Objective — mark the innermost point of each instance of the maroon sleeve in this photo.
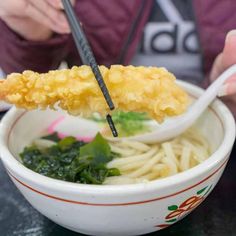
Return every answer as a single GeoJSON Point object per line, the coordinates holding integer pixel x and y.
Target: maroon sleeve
{"type": "Point", "coordinates": [113, 28]}
{"type": "Point", "coordinates": [18, 54]}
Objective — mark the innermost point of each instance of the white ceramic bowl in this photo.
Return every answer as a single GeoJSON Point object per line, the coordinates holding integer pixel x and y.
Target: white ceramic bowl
{"type": "Point", "coordinates": [116, 210]}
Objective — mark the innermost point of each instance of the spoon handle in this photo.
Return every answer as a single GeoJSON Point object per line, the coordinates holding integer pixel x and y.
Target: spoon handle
{"type": "Point", "coordinates": [211, 93]}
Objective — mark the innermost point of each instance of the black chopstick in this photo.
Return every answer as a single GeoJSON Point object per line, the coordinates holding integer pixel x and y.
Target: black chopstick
{"type": "Point", "coordinates": [87, 57]}
{"type": "Point", "coordinates": [111, 125]}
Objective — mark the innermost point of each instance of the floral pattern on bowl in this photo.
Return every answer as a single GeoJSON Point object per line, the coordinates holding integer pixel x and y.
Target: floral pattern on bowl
{"type": "Point", "coordinates": [178, 212]}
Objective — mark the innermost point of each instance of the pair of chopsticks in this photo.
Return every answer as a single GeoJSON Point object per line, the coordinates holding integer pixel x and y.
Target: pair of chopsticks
{"type": "Point", "coordinates": [87, 57]}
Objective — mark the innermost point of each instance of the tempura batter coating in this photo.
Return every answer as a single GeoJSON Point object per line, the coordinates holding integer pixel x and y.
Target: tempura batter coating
{"type": "Point", "coordinates": [141, 89]}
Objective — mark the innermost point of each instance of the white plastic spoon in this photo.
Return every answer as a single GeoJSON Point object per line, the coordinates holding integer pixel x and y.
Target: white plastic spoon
{"type": "Point", "coordinates": [178, 125]}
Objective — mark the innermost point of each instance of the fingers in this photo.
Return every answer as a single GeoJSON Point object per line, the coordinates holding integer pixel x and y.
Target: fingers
{"type": "Point", "coordinates": [44, 13]}
{"type": "Point", "coordinates": [229, 88]}
{"type": "Point", "coordinates": [24, 27]}
{"type": "Point", "coordinates": [229, 55]}
{"type": "Point", "coordinates": [226, 58]}
{"type": "Point", "coordinates": [12, 8]}
{"type": "Point", "coordinates": [58, 3]}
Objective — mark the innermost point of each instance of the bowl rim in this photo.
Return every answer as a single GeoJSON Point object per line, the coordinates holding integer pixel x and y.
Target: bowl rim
{"type": "Point", "coordinates": [213, 161]}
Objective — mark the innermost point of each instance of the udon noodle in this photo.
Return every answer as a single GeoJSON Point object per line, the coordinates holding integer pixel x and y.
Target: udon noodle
{"type": "Point", "coordinates": [139, 162]}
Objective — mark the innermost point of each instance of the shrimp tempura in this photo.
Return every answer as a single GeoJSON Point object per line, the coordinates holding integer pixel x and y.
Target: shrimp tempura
{"type": "Point", "coordinates": [140, 89]}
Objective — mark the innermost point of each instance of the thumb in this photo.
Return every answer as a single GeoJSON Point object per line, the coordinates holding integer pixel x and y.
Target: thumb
{"type": "Point", "coordinates": [229, 52]}
{"type": "Point", "coordinates": [228, 58]}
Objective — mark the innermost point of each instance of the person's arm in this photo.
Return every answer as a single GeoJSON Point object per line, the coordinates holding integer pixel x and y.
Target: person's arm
{"type": "Point", "coordinates": [33, 35]}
